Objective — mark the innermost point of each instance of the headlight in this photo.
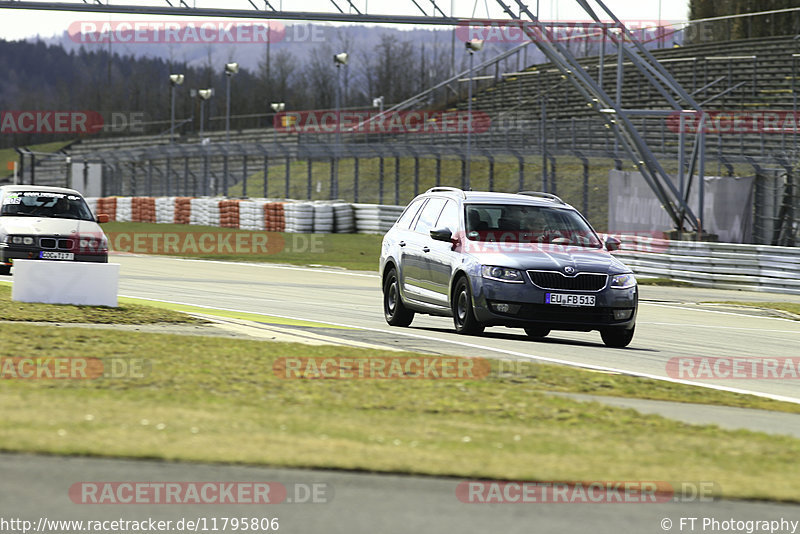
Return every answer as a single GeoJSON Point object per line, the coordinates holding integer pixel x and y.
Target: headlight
{"type": "Point", "coordinates": [19, 240]}
{"type": "Point", "coordinates": [623, 281]}
{"type": "Point", "coordinates": [502, 274]}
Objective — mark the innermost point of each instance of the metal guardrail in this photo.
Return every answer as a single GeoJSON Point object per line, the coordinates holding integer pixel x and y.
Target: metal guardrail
{"type": "Point", "coordinates": [715, 265]}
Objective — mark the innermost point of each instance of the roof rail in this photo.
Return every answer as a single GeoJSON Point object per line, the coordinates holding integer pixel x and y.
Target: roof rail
{"type": "Point", "coordinates": [539, 194]}
{"type": "Point", "coordinates": [443, 189]}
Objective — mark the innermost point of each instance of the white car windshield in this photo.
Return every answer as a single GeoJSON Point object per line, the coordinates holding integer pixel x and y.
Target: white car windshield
{"type": "Point", "coordinates": [45, 204]}
{"type": "Point", "coordinates": [520, 223]}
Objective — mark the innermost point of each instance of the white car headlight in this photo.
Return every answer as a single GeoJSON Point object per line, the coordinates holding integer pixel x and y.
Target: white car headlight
{"type": "Point", "coordinates": [502, 274]}
{"type": "Point", "coordinates": [623, 281]}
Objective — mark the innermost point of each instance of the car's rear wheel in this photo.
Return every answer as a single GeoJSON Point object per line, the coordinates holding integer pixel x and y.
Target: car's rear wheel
{"type": "Point", "coordinates": [463, 313]}
{"type": "Point", "coordinates": [394, 310]}
{"type": "Point", "coordinates": [5, 270]}
{"type": "Point", "coordinates": [617, 337]}
{"type": "Point", "coordinates": [537, 333]}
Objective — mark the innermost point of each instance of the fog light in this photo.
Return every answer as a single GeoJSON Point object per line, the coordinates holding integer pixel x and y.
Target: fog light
{"type": "Point", "coordinates": [505, 307]}
{"type": "Point", "coordinates": [621, 315]}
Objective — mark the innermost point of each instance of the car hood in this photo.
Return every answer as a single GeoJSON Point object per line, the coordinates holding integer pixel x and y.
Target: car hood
{"type": "Point", "coordinates": [545, 257]}
{"type": "Point", "coordinates": [47, 226]}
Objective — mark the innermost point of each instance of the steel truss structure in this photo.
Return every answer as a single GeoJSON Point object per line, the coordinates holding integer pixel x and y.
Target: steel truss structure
{"type": "Point", "coordinates": [612, 110]}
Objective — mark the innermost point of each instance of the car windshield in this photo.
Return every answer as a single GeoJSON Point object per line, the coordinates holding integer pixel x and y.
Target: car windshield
{"type": "Point", "coordinates": [45, 204]}
{"type": "Point", "coordinates": [520, 223]}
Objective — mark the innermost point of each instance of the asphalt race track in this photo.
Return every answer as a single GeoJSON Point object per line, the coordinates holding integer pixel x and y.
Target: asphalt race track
{"type": "Point", "coordinates": [670, 324]}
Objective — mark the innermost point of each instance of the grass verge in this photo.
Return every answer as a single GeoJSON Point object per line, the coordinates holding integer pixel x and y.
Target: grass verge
{"type": "Point", "coordinates": [349, 251]}
{"type": "Point", "coordinates": [126, 313]}
{"type": "Point", "coordinates": [218, 400]}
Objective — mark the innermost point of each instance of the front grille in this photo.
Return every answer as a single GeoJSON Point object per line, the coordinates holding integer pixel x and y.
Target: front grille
{"type": "Point", "coordinates": [566, 314]}
{"type": "Point", "coordinates": [560, 282]}
{"type": "Point", "coordinates": [56, 244]}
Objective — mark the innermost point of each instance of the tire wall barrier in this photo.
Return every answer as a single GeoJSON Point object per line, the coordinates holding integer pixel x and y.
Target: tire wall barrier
{"type": "Point", "coordinates": [716, 265]}
{"type": "Point", "coordinates": [272, 215]}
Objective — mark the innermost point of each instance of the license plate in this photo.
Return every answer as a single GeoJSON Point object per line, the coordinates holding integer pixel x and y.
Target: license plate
{"type": "Point", "coordinates": [65, 256]}
{"type": "Point", "coordinates": [570, 300]}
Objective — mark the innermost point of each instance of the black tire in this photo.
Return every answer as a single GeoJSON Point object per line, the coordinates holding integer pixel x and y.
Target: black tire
{"type": "Point", "coordinates": [537, 333]}
{"type": "Point", "coordinates": [617, 337]}
{"type": "Point", "coordinates": [394, 310]}
{"type": "Point", "coordinates": [463, 314]}
{"type": "Point", "coordinates": [5, 270]}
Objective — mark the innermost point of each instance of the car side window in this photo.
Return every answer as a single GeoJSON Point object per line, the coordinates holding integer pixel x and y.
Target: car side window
{"type": "Point", "coordinates": [449, 217]}
{"type": "Point", "coordinates": [430, 213]}
{"type": "Point", "coordinates": [405, 219]}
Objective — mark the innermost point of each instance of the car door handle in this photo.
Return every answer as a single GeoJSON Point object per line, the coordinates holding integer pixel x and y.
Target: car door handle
{"type": "Point", "coordinates": [426, 249]}
{"type": "Point", "coordinates": [402, 243]}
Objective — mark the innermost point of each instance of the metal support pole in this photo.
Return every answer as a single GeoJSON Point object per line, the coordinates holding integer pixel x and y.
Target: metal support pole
{"type": "Point", "coordinates": [355, 178]}
{"type": "Point", "coordinates": [544, 143]}
{"type": "Point", "coordinates": [172, 114]}
{"type": "Point", "coordinates": [227, 113]}
{"type": "Point", "coordinates": [225, 175]}
{"type": "Point", "coordinates": [467, 180]}
{"type": "Point", "coordinates": [682, 155]}
{"type": "Point", "coordinates": [244, 176]}
{"type": "Point", "coordinates": [168, 178]}
{"type": "Point", "coordinates": [288, 176]}
{"type": "Point", "coordinates": [266, 177]}
{"type": "Point", "coordinates": [701, 184]}
{"type": "Point", "coordinates": [206, 178]}
{"type": "Point", "coordinates": [149, 177]}
{"type": "Point", "coordinates": [309, 179]}
{"type": "Point", "coordinates": [397, 180]}
{"type": "Point", "coordinates": [380, 180]}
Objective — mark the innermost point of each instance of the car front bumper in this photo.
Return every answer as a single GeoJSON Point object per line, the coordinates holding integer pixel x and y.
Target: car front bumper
{"type": "Point", "coordinates": [524, 305]}
{"type": "Point", "coordinates": [10, 253]}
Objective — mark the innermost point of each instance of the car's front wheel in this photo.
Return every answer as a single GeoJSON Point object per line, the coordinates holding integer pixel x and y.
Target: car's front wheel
{"type": "Point", "coordinates": [394, 310]}
{"type": "Point", "coordinates": [463, 314]}
{"type": "Point", "coordinates": [617, 337]}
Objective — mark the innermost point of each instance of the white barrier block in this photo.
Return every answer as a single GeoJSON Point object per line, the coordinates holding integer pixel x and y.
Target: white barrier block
{"type": "Point", "coordinates": [62, 282]}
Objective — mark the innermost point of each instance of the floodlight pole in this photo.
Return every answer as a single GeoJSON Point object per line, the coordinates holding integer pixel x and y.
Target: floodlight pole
{"type": "Point", "coordinates": [228, 109]}
{"type": "Point", "coordinates": [467, 181]}
{"type": "Point", "coordinates": [172, 114]}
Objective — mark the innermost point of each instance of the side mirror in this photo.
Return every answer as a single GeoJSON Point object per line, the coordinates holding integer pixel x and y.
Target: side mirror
{"type": "Point", "coordinates": [102, 218]}
{"type": "Point", "coordinates": [442, 234]}
{"type": "Point", "coordinates": [612, 244]}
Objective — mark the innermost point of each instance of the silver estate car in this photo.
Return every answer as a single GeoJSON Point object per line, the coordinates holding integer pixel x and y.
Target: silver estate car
{"type": "Point", "coordinates": [526, 260]}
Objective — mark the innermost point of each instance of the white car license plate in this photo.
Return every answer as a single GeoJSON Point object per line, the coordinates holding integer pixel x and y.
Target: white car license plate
{"type": "Point", "coordinates": [49, 255]}
{"type": "Point", "coordinates": [570, 300]}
